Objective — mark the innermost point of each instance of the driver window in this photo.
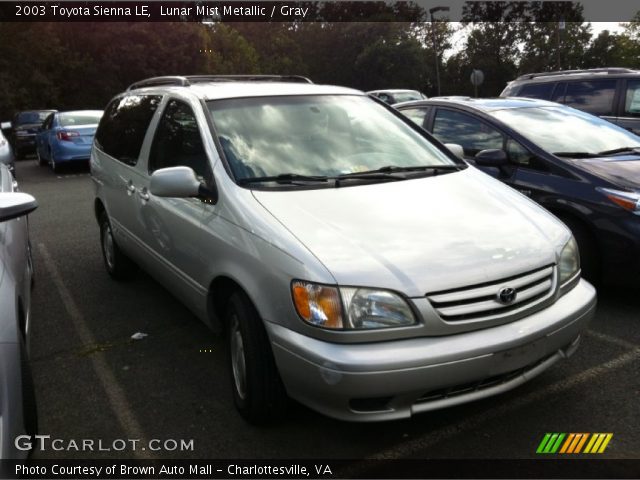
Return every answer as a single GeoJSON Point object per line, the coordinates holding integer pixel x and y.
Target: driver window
{"type": "Point", "coordinates": [471, 133]}
{"type": "Point", "coordinates": [177, 141]}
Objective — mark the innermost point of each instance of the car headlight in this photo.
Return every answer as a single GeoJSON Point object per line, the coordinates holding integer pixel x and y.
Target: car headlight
{"type": "Point", "coordinates": [630, 201]}
{"type": "Point", "coordinates": [350, 308]}
{"type": "Point", "coordinates": [569, 263]}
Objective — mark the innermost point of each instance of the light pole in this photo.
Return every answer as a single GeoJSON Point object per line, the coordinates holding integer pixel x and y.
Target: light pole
{"type": "Point", "coordinates": [435, 43]}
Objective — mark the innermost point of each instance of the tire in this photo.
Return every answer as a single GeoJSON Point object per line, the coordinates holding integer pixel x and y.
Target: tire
{"type": "Point", "coordinates": [29, 404]}
{"type": "Point", "coordinates": [258, 392]}
{"type": "Point", "coordinates": [42, 162]}
{"type": "Point", "coordinates": [590, 261]}
{"type": "Point", "coordinates": [118, 265]}
{"type": "Point", "coordinates": [54, 166]}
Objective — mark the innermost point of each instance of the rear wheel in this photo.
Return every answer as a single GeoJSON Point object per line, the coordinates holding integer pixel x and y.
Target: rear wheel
{"type": "Point", "coordinates": [118, 265]}
{"type": "Point", "coordinates": [258, 392]}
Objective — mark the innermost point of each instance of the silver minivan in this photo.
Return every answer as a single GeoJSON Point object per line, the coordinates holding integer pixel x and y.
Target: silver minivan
{"type": "Point", "coordinates": [353, 262]}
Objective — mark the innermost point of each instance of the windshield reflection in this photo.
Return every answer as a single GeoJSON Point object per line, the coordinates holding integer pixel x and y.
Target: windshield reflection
{"type": "Point", "coordinates": [562, 129]}
{"type": "Point", "coordinates": [318, 135]}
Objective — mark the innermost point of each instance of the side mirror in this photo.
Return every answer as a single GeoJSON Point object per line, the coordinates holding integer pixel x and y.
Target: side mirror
{"type": "Point", "coordinates": [179, 182]}
{"type": "Point", "coordinates": [492, 158]}
{"type": "Point", "coordinates": [15, 204]}
{"type": "Point", "coordinates": [456, 149]}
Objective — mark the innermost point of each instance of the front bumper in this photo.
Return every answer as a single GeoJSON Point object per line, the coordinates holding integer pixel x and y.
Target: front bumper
{"type": "Point", "coordinates": [395, 379]}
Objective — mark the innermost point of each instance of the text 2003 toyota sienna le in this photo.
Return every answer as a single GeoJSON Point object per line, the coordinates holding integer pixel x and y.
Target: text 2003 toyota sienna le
{"type": "Point", "coordinates": [353, 262]}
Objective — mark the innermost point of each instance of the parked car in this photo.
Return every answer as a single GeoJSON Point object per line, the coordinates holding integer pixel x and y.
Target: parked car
{"type": "Point", "coordinates": [583, 169]}
{"type": "Point", "coordinates": [25, 126]}
{"type": "Point", "coordinates": [370, 277]}
{"type": "Point", "coordinates": [66, 137]}
{"type": "Point", "coordinates": [610, 93]}
{"type": "Point", "coordinates": [18, 414]}
{"type": "Point", "coordinates": [394, 96]}
{"type": "Point", "coordinates": [6, 155]}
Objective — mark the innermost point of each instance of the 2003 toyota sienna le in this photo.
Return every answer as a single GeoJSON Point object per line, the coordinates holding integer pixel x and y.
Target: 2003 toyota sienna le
{"type": "Point", "coordinates": [354, 263]}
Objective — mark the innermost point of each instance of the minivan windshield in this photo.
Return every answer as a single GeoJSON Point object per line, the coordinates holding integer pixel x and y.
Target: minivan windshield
{"type": "Point", "coordinates": [319, 137]}
{"type": "Point", "coordinates": [564, 130]}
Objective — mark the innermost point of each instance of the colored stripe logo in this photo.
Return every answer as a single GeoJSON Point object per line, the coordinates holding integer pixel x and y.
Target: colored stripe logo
{"type": "Point", "coordinates": [573, 443]}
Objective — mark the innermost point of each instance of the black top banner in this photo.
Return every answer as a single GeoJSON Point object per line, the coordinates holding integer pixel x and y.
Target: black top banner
{"type": "Point", "coordinates": [317, 11]}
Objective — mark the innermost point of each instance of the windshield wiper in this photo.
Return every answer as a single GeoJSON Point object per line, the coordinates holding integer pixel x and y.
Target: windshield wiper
{"type": "Point", "coordinates": [283, 178]}
{"type": "Point", "coordinates": [576, 154]}
{"type": "Point", "coordinates": [396, 169]}
{"type": "Point", "coordinates": [620, 150]}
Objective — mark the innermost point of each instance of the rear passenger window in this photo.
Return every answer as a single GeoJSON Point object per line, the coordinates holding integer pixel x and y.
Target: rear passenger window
{"type": "Point", "coordinates": [177, 141]}
{"type": "Point", "coordinates": [537, 90]}
{"type": "Point", "coordinates": [632, 100]}
{"type": "Point", "coordinates": [471, 133]}
{"type": "Point", "coordinates": [594, 96]}
{"type": "Point", "coordinates": [124, 126]}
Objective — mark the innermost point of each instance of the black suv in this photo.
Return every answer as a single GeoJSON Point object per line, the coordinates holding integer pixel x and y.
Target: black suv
{"type": "Point", "coordinates": [610, 93]}
{"type": "Point", "coordinates": [25, 126]}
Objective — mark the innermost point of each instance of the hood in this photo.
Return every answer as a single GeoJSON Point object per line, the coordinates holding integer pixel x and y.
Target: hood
{"type": "Point", "coordinates": [422, 235]}
{"type": "Point", "coordinates": [621, 170]}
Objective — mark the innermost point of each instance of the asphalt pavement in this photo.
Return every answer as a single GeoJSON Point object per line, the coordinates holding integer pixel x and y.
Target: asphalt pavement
{"type": "Point", "coordinates": [171, 388]}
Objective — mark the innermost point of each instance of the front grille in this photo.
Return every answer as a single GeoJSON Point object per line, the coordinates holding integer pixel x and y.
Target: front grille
{"type": "Point", "coordinates": [481, 301]}
{"type": "Point", "coordinates": [456, 390]}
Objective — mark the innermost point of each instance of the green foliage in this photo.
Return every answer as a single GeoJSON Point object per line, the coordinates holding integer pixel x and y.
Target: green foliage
{"type": "Point", "coordinates": [82, 65]}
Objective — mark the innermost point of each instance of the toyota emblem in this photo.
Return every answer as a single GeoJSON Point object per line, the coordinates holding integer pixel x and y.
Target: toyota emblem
{"type": "Point", "coordinates": [507, 295]}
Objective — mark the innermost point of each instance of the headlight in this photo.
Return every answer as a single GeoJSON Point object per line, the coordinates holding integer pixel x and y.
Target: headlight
{"type": "Point", "coordinates": [569, 261]}
{"type": "Point", "coordinates": [350, 308]}
{"type": "Point", "coordinates": [630, 201]}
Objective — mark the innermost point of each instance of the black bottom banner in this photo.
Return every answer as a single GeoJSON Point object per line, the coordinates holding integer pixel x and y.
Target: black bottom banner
{"type": "Point", "coordinates": [316, 469]}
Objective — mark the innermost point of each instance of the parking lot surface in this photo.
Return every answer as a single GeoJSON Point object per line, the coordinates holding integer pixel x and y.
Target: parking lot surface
{"type": "Point", "coordinates": [94, 382]}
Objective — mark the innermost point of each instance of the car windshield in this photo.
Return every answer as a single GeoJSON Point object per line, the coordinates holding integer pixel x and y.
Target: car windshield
{"type": "Point", "coordinates": [69, 119]}
{"type": "Point", "coordinates": [317, 135]}
{"type": "Point", "coordinates": [32, 117]}
{"type": "Point", "coordinates": [400, 97]}
{"type": "Point", "coordinates": [566, 130]}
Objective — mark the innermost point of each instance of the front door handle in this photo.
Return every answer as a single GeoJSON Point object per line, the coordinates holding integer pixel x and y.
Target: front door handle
{"type": "Point", "coordinates": [131, 188]}
{"type": "Point", "coordinates": [143, 194]}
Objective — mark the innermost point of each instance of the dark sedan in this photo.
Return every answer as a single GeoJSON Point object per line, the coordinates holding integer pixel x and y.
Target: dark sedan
{"type": "Point", "coordinates": [25, 127]}
{"type": "Point", "coordinates": [583, 169]}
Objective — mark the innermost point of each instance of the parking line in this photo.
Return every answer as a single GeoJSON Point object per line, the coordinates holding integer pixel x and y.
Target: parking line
{"type": "Point", "coordinates": [119, 405]}
{"type": "Point", "coordinates": [421, 444]}
{"type": "Point", "coordinates": [611, 339]}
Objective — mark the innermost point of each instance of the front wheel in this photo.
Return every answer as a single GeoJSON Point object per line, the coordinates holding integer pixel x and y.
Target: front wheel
{"type": "Point", "coordinates": [118, 265]}
{"type": "Point", "coordinates": [258, 392]}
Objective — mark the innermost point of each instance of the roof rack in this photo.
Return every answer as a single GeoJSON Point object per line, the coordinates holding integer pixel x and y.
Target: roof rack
{"type": "Point", "coordinates": [608, 70]}
{"type": "Point", "coordinates": [189, 80]}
